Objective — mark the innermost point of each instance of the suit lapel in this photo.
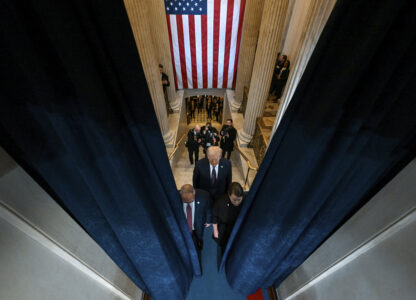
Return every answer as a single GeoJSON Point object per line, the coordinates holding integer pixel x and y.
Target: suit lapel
{"type": "Point", "coordinates": [220, 170]}
{"type": "Point", "coordinates": [208, 171]}
{"type": "Point", "coordinates": [197, 204]}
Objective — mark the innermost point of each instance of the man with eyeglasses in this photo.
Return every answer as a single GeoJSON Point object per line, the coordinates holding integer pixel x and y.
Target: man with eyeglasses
{"type": "Point", "coordinates": [225, 213]}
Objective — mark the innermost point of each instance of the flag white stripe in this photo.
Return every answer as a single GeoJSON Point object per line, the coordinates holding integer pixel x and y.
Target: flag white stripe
{"type": "Point", "coordinates": [210, 37]}
{"type": "Point", "coordinates": [209, 46]}
{"type": "Point", "coordinates": [187, 45]}
{"type": "Point", "coordinates": [175, 46]}
{"type": "Point", "coordinates": [233, 46]}
{"type": "Point", "coordinates": [221, 48]}
{"type": "Point", "coordinates": [198, 46]}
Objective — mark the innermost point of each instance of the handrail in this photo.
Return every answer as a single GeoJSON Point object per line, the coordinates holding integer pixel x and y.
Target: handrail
{"type": "Point", "coordinates": [250, 166]}
{"type": "Point", "coordinates": [245, 158]}
{"type": "Point", "coordinates": [176, 147]}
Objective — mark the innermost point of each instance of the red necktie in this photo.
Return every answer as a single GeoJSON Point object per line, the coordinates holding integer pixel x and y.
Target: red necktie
{"type": "Point", "coordinates": [189, 216]}
{"type": "Point", "coordinates": [213, 176]}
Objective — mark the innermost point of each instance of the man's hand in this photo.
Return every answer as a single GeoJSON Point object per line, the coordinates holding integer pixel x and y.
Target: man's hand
{"type": "Point", "coordinates": [207, 225]}
{"type": "Point", "coordinates": [215, 230]}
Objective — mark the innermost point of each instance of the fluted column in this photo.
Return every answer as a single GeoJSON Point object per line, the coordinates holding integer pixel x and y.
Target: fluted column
{"type": "Point", "coordinates": [138, 14]}
{"type": "Point", "coordinates": [160, 36]}
{"type": "Point", "coordinates": [271, 29]}
{"type": "Point", "coordinates": [318, 14]}
{"type": "Point", "coordinates": [251, 27]}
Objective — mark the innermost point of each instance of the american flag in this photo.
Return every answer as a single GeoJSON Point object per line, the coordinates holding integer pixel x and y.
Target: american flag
{"type": "Point", "coordinates": [204, 41]}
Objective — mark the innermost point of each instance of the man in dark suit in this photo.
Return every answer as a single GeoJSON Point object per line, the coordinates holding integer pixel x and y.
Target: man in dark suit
{"type": "Point", "coordinates": [282, 79]}
{"type": "Point", "coordinates": [194, 102]}
{"type": "Point", "coordinates": [193, 142]}
{"type": "Point", "coordinates": [165, 83]}
{"type": "Point", "coordinates": [209, 107]}
{"type": "Point", "coordinates": [197, 209]}
{"type": "Point", "coordinates": [213, 173]}
{"type": "Point", "coordinates": [200, 104]}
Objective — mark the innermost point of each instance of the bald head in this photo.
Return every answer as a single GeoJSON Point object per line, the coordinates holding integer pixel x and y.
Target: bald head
{"type": "Point", "coordinates": [197, 128]}
{"type": "Point", "coordinates": [214, 155]}
{"type": "Point", "coordinates": [187, 192]}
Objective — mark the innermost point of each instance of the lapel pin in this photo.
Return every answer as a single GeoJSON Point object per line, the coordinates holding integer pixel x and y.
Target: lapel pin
{"type": "Point", "coordinates": [221, 166]}
{"type": "Point", "coordinates": [228, 204]}
{"type": "Point", "coordinates": [197, 202]}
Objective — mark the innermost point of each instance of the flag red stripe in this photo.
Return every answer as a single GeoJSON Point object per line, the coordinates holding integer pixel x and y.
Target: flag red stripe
{"type": "Point", "coordinates": [228, 31]}
{"type": "Point", "coordinates": [179, 26]}
{"type": "Point", "coordinates": [240, 27]}
{"type": "Point", "coordinates": [204, 51]}
{"type": "Point", "coordinates": [193, 50]}
{"type": "Point", "coordinates": [171, 50]}
{"type": "Point", "coordinates": [217, 15]}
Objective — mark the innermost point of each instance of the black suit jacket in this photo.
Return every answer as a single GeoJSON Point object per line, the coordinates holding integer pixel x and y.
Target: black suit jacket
{"type": "Point", "coordinates": [192, 142]}
{"type": "Point", "coordinates": [202, 212]}
{"type": "Point", "coordinates": [202, 177]}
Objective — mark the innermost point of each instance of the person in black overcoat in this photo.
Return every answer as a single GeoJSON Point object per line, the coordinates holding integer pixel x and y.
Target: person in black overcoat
{"type": "Point", "coordinates": [228, 135]}
{"type": "Point", "coordinates": [225, 212]}
{"type": "Point", "coordinates": [209, 136]}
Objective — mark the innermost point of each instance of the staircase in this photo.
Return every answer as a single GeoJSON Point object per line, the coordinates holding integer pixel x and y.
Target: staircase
{"type": "Point", "coordinates": [183, 170]}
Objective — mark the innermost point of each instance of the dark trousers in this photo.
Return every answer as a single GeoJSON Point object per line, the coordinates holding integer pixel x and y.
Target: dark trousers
{"type": "Point", "coordinates": [226, 153]}
{"type": "Point", "coordinates": [217, 115]}
{"type": "Point", "coordinates": [191, 152]}
{"type": "Point", "coordinates": [209, 114]}
{"type": "Point", "coordinates": [198, 247]}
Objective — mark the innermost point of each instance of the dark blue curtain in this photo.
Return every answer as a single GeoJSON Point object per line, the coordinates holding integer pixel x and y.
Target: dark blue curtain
{"type": "Point", "coordinates": [350, 126]}
{"type": "Point", "coordinates": [76, 113]}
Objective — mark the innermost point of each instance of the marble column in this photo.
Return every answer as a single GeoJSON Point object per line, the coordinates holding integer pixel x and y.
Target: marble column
{"type": "Point", "coordinates": [248, 45]}
{"type": "Point", "coordinates": [271, 29]}
{"type": "Point", "coordinates": [160, 37]}
{"type": "Point", "coordinates": [138, 13]}
{"type": "Point", "coordinates": [318, 13]}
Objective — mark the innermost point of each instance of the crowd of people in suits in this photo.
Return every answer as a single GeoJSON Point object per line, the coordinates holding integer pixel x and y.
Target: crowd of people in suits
{"type": "Point", "coordinates": [207, 136]}
{"type": "Point", "coordinates": [212, 199]}
{"type": "Point", "coordinates": [213, 105]}
{"type": "Point", "coordinates": [280, 76]}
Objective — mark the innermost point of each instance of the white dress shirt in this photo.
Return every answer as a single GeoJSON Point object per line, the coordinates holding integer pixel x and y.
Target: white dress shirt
{"type": "Point", "coordinates": [192, 204]}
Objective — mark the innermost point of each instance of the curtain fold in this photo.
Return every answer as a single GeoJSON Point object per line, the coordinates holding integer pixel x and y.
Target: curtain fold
{"type": "Point", "coordinates": [349, 128]}
{"type": "Point", "coordinates": [75, 111]}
